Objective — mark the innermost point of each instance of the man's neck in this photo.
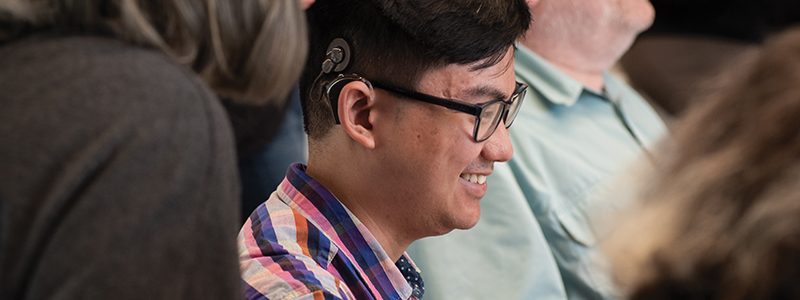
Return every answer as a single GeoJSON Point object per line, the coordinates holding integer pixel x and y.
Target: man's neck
{"type": "Point", "coordinates": [376, 219]}
{"type": "Point", "coordinates": [591, 79]}
{"type": "Point", "coordinates": [581, 60]}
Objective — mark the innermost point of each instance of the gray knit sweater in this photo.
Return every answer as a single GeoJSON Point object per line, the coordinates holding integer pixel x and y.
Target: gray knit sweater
{"type": "Point", "coordinates": [117, 175]}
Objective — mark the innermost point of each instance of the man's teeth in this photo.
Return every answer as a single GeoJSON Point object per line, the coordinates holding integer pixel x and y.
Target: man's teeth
{"type": "Point", "coordinates": [474, 178]}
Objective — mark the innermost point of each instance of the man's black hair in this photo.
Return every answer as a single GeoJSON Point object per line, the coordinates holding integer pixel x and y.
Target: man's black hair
{"type": "Point", "coordinates": [398, 41]}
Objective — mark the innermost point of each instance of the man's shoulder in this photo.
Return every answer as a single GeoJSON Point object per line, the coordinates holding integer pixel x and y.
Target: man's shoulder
{"type": "Point", "coordinates": [284, 255]}
{"type": "Point", "coordinates": [290, 276]}
{"type": "Point", "coordinates": [281, 229]}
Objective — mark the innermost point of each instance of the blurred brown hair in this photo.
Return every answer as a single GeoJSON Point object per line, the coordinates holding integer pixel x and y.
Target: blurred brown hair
{"type": "Point", "coordinates": [251, 51]}
{"type": "Point", "coordinates": [720, 217]}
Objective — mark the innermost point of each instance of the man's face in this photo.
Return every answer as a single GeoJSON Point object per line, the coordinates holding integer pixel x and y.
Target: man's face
{"type": "Point", "coordinates": [587, 18]}
{"type": "Point", "coordinates": [633, 15]}
{"type": "Point", "coordinates": [435, 168]}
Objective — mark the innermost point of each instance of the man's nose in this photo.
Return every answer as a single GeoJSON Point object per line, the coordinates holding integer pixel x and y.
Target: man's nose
{"type": "Point", "coordinates": [498, 146]}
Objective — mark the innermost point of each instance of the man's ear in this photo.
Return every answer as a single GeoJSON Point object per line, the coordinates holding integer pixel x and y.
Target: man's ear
{"type": "Point", "coordinates": [356, 103]}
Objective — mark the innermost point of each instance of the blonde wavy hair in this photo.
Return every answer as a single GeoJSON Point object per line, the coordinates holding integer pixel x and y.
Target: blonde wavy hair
{"type": "Point", "coordinates": [720, 215]}
{"type": "Point", "coordinates": [250, 51]}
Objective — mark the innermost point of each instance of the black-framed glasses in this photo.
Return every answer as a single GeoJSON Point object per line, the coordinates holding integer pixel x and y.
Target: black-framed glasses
{"type": "Point", "coordinates": [487, 114]}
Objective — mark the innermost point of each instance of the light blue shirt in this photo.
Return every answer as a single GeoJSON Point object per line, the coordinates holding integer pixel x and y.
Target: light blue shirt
{"type": "Point", "coordinates": [534, 239]}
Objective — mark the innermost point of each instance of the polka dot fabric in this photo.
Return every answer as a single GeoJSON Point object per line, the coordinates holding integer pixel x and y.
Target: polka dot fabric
{"type": "Point", "coordinates": [412, 276]}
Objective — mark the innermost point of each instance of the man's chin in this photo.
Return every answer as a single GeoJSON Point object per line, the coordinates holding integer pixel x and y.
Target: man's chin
{"type": "Point", "coordinates": [447, 223]}
{"type": "Point", "coordinates": [468, 222]}
{"type": "Point", "coordinates": [464, 225]}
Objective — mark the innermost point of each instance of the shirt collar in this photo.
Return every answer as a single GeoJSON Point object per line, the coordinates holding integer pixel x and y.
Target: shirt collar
{"type": "Point", "coordinates": [352, 238]}
{"type": "Point", "coordinates": [614, 89]}
{"type": "Point", "coordinates": [545, 78]}
{"type": "Point", "coordinates": [553, 84]}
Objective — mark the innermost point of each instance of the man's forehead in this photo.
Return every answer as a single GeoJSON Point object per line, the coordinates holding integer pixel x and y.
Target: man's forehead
{"type": "Point", "coordinates": [487, 92]}
{"type": "Point", "coordinates": [495, 82]}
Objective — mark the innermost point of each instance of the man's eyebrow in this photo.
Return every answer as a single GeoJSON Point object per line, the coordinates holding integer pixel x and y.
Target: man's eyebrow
{"type": "Point", "coordinates": [485, 91]}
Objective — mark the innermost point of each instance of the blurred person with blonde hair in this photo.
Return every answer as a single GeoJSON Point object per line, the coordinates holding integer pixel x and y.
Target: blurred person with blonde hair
{"type": "Point", "coordinates": [719, 217]}
{"type": "Point", "coordinates": [117, 170]}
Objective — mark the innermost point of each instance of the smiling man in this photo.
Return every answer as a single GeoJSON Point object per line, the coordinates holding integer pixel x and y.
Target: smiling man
{"type": "Point", "coordinates": [406, 105]}
{"type": "Point", "coordinates": [578, 128]}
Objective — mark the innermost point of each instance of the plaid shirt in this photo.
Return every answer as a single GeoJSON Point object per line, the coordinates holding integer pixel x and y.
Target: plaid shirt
{"type": "Point", "coordinates": [302, 241]}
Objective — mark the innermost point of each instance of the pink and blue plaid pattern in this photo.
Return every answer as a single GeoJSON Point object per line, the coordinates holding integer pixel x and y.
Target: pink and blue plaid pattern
{"type": "Point", "coordinates": [303, 241]}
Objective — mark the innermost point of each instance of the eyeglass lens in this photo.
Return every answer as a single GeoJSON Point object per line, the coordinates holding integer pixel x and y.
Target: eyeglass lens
{"type": "Point", "coordinates": [489, 119]}
{"type": "Point", "coordinates": [516, 102]}
{"type": "Point", "coordinates": [492, 114]}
